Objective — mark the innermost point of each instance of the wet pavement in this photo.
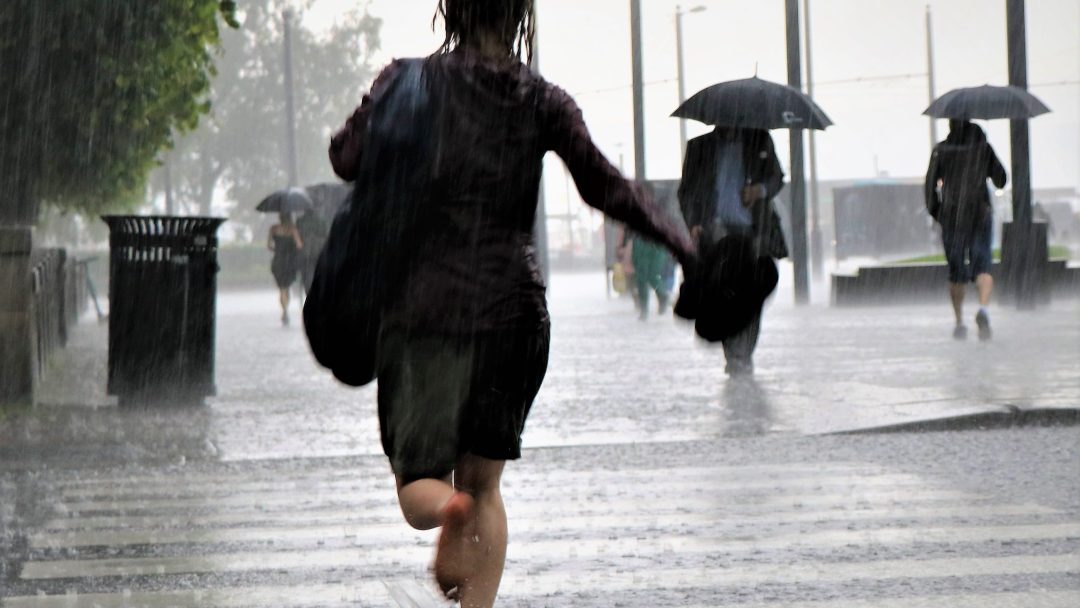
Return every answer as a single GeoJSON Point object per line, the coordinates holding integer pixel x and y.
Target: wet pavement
{"type": "Point", "coordinates": [647, 476]}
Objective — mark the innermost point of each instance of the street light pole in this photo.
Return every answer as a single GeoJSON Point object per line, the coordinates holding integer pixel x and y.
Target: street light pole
{"type": "Point", "coordinates": [798, 180]}
{"type": "Point", "coordinates": [540, 232]}
{"type": "Point", "coordinates": [1023, 243]}
{"type": "Point", "coordinates": [639, 90]}
{"type": "Point", "coordinates": [682, 69]}
{"type": "Point", "coordinates": [290, 109]}
{"type": "Point", "coordinates": [817, 247]}
{"type": "Point", "coordinates": [930, 74]}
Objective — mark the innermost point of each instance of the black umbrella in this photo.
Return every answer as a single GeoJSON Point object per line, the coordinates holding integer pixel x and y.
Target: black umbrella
{"type": "Point", "coordinates": [986, 102]}
{"type": "Point", "coordinates": [753, 103]}
{"type": "Point", "coordinates": [289, 200]}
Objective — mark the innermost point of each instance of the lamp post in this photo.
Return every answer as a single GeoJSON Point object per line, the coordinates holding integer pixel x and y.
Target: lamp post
{"type": "Point", "coordinates": [682, 69]}
{"type": "Point", "coordinates": [638, 90]}
{"type": "Point", "coordinates": [540, 233]}
{"type": "Point", "coordinates": [817, 247]}
{"type": "Point", "coordinates": [287, 17]}
{"type": "Point", "coordinates": [930, 74]}
{"type": "Point", "coordinates": [798, 180]}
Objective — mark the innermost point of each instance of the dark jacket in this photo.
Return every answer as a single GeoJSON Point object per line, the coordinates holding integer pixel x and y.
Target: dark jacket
{"type": "Point", "coordinates": [698, 185]}
{"type": "Point", "coordinates": [962, 163]}
{"type": "Point", "coordinates": [474, 267]}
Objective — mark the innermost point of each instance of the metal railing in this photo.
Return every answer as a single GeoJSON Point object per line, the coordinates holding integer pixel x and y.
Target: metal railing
{"type": "Point", "coordinates": [59, 296]}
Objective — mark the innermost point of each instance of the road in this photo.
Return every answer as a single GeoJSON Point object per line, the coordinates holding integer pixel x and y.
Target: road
{"type": "Point", "coordinates": [647, 480]}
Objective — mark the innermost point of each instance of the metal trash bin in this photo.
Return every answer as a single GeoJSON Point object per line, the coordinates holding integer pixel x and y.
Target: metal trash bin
{"type": "Point", "coordinates": [162, 308]}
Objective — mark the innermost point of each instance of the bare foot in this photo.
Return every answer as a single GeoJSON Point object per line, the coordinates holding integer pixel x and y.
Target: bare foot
{"type": "Point", "coordinates": [451, 555]}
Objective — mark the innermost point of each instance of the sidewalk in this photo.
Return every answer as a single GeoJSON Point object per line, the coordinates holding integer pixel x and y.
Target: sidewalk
{"type": "Point", "coordinates": [611, 379]}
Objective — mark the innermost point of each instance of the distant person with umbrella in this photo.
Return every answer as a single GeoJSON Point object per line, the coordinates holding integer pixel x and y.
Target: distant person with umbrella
{"type": "Point", "coordinates": [956, 194]}
{"type": "Point", "coordinates": [729, 179]}
{"type": "Point", "coordinates": [957, 198]}
{"type": "Point", "coordinates": [285, 240]}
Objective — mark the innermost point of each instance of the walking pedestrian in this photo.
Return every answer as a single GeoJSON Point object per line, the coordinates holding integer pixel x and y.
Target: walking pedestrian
{"type": "Point", "coordinates": [464, 342]}
{"type": "Point", "coordinates": [649, 261]}
{"type": "Point", "coordinates": [285, 241]}
{"type": "Point", "coordinates": [958, 199]}
{"type": "Point", "coordinates": [313, 230]}
{"type": "Point", "coordinates": [729, 179]}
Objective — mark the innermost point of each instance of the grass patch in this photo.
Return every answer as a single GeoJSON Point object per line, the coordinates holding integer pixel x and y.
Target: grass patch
{"type": "Point", "coordinates": [1057, 252]}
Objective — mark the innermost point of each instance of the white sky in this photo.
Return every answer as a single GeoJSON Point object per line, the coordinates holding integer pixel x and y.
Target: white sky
{"type": "Point", "coordinates": [585, 48]}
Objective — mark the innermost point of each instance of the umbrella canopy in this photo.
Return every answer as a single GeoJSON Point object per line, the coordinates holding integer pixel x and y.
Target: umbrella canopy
{"type": "Point", "coordinates": [753, 103]}
{"type": "Point", "coordinates": [986, 102]}
{"type": "Point", "coordinates": [289, 200]}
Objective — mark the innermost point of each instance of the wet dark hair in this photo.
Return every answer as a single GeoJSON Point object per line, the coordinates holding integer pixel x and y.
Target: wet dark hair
{"type": "Point", "coordinates": [511, 19]}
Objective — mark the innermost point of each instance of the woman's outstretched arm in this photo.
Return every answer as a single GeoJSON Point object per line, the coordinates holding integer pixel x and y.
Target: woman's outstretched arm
{"type": "Point", "coordinates": [600, 184]}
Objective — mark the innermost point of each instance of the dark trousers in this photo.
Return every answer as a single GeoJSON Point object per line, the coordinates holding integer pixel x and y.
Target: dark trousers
{"type": "Point", "coordinates": [739, 348]}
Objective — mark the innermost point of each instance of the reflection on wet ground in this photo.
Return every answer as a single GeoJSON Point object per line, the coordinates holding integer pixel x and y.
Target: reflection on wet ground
{"type": "Point", "coordinates": [612, 379]}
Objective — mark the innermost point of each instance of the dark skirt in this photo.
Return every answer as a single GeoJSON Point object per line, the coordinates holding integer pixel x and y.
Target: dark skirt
{"type": "Point", "coordinates": [285, 267]}
{"type": "Point", "coordinates": [444, 396]}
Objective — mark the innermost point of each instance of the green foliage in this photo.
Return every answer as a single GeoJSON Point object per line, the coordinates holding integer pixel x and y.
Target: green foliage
{"type": "Point", "coordinates": [94, 90]}
{"type": "Point", "coordinates": [239, 149]}
{"type": "Point", "coordinates": [1055, 252]}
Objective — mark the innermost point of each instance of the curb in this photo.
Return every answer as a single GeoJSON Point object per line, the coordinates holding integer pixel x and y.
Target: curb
{"type": "Point", "coordinates": [1010, 416]}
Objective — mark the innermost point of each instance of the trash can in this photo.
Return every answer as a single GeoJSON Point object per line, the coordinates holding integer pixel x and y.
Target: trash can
{"type": "Point", "coordinates": [162, 299]}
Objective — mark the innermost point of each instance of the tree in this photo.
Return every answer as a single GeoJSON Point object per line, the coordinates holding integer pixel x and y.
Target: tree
{"type": "Point", "coordinates": [239, 150]}
{"type": "Point", "coordinates": [93, 91]}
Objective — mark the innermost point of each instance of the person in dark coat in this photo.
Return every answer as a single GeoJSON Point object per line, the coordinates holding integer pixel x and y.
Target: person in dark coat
{"type": "Point", "coordinates": [464, 342]}
{"type": "Point", "coordinates": [313, 230]}
{"type": "Point", "coordinates": [958, 199]}
{"type": "Point", "coordinates": [729, 179]}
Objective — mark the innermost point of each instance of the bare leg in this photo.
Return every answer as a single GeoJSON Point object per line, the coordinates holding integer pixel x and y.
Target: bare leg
{"type": "Point", "coordinates": [984, 284]}
{"type": "Point", "coordinates": [283, 297]}
{"type": "Point", "coordinates": [422, 501]}
{"type": "Point", "coordinates": [956, 292]}
{"type": "Point", "coordinates": [472, 548]}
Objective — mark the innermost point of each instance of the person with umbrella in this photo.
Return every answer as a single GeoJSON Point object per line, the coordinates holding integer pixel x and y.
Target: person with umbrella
{"type": "Point", "coordinates": [956, 193]}
{"type": "Point", "coordinates": [729, 179]}
{"type": "Point", "coordinates": [285, 241]}
{"type": "Point", "coordinates": [958, 200]}
{"type": "Point", "coordinates": [731, 175]}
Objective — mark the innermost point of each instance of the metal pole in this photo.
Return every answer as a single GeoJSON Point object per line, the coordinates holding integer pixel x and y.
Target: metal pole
{"type": "Point", "coordinates": [798, 182]}
{"type": "Point", "coordinates": [290, 110]}
{"type": "Point", "coordinates": [817, 247]}
{"type": "Point", "coordinates": [540, 233]}
{"type": "Point", "coordinates": [930, 74]}
{"type": "Point", "coordinates": [682, 77]}
{"type": "Point", "coordinates": [639, 90]}
{"type": "Point", "coordinates": [1018, 129]}
{"type": "Point", "coordinates": [1023, 250]}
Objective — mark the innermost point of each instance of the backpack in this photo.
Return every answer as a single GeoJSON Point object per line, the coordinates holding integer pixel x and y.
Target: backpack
{"type": "Point", "coordinates": [366, 255]}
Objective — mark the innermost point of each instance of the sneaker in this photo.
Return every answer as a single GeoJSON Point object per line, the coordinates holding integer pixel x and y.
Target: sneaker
{"type": "Point", "coordinates": [983, 321]}
{"type": "Point", "coordinates": [960, 332]}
